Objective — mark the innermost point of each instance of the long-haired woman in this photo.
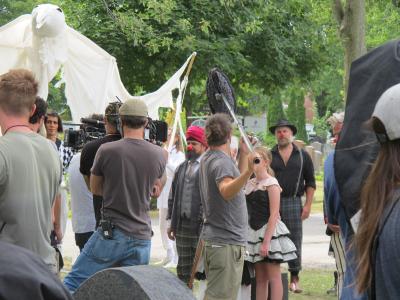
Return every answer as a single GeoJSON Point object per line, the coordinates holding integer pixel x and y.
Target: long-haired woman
{"type": "Point", "coordinates": [268, 242]}
{"type": "Point", "coordinates": [378, 235]}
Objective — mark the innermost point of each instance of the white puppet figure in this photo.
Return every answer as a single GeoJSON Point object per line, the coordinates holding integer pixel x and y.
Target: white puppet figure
{"type": "Point", "coordinates": [43, 43]}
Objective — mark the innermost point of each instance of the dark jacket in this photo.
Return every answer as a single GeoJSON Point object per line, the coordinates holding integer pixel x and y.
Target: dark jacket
{"type": "Point", "coordinates": [175, 200]}
{"type": "Point", "coordinates": [23, 275]}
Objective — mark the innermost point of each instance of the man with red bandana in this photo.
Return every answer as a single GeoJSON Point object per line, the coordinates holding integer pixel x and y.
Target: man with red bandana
{"type": "Point", "coordinates": [184, 205]}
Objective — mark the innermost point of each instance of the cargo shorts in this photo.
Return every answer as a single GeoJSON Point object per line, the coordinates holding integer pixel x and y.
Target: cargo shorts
{"type": "Point", "coordinates": [223, 264]}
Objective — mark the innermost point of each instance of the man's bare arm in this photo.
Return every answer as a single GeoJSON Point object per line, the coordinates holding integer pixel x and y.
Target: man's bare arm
{"type": "Point", "coordinates": [163, 180]}
{"type": "Point", "coordinates": [96, 185]}
{"type": "Point", "coordinates": [56, 211]}
{"type": "Point", "coordinates": [244, 153]}
{"type": "Point", "coordinates": [229, 187]}
{"type": "Point", "coordinates": [307, 206]}
{"type": "Point", "coordinates": [87, 181]}
{"type": "Point", "coordinates": [159, 185]}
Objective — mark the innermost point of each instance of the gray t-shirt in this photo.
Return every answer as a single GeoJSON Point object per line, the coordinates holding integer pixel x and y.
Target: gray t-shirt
{"type": "Point", "coordinates": [224, 221]}
{"type": "Point", "coordinates": [129, 168]}
{"type": "Point", "coordinates": [30, 174]}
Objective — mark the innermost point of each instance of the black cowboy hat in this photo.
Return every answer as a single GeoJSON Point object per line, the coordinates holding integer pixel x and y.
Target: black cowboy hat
{"type": "Point", "coordinates": [283, 123]}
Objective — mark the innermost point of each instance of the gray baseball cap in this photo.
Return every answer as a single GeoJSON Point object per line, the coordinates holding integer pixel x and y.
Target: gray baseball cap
{"type": "Point", "coordinates": [387, 110]}
{"type": "Point", "coordinates": [134, 107]}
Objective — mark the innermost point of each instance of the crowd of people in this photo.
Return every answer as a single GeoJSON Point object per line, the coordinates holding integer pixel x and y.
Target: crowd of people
{"type": "Point", "coordinates": [227, 213]}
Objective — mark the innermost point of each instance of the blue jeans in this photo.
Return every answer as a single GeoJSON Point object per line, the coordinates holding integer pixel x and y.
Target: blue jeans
{"type": "Point", "coordinates": [100, 253]}
{"type": "Point", "coordinates": [349, 291]}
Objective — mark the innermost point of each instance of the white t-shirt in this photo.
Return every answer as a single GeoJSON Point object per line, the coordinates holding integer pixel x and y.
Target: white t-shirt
{"type": "Point", "coordinates": [83, 219]}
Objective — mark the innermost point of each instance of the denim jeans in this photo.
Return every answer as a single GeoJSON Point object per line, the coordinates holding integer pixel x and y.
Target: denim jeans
{"type": "Point", "coordinates": [100, 253]}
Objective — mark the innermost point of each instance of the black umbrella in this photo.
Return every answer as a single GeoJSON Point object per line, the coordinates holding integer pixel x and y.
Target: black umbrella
{"type": "Point", "coordinates": [370, 76]}
{"type": "Point", "coordinates": [221, 98]}
{"type": "Point", "coordinates": [218, 83]}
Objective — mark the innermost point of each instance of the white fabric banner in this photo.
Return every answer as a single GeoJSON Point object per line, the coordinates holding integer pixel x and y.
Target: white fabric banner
{"type": "Point", "coordinates": [43, 43]}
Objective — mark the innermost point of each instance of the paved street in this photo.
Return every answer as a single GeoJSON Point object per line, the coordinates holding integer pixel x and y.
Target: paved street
{"type": "Point", "coordinates": [315, 244]}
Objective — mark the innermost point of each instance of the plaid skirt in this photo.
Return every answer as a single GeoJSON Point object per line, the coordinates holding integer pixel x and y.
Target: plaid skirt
{"type": "Point", "coordinates": [281, 248]}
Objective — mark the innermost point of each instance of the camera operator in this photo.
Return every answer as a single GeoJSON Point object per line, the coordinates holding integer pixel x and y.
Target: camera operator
{"type": "Point", "coordinates": [124, 173]}
{"type": "Point", "coordinates": [90, 149]}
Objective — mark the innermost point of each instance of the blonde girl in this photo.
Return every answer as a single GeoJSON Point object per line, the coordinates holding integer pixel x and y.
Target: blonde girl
{"type": "Point", "coordinates": [268, 242]}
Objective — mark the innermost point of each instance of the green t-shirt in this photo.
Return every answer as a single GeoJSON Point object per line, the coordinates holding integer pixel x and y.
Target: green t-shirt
{"type": "Point", "coordinates": [30, 173]}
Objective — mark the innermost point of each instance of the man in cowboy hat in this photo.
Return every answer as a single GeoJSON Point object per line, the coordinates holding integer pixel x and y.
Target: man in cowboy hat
{"type": "Point", "coordinates": [294, 170]}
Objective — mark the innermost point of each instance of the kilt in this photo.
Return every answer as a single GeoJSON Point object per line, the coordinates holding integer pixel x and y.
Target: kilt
{"type": "Point", "coordinates": [186, 244]}
{"type": "Point", "coordinates": [290, 211]}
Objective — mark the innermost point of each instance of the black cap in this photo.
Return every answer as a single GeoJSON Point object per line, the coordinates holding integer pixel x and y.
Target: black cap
{"type": "Point", "coordinates": [283, 123]}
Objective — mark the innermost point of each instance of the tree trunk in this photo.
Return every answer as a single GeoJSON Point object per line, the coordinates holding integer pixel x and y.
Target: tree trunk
{"type": "Point", "coordinates": [350, 15]}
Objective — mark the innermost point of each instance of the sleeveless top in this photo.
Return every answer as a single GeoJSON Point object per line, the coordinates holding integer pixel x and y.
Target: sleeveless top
{"type": "Point", "coordinates": [258, 201]}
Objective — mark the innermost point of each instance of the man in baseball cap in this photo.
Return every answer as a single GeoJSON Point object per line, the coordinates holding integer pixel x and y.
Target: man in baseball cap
{"type": "Point", "coordinates": [123, 173]}
{"type": "Point", "coordinates": [184, 207]}
{"type": "Point", "coordinates": [135, 108]}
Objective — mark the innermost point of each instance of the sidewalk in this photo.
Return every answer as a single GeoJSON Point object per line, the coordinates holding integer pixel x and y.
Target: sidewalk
{"type": "Point", "coordinates": [315, 244]}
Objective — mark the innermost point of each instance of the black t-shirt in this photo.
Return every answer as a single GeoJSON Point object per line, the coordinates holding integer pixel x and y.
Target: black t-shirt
{"type": "Point", "coordinates": [90, 149]}
{"type": "Point", "coordinates": [288, 174]}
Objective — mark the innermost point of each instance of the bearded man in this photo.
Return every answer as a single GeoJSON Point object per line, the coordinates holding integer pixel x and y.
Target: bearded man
{"type": "Point", "coordinates": [184, 205]}
{"type": "Point", "coordinates": [294, 170]}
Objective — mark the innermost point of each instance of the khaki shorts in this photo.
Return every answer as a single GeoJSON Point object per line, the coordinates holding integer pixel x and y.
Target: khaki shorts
{"type": "Point", "coordinates": [224, 267]}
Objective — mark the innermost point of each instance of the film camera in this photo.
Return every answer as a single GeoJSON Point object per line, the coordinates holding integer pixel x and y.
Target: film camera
{"type": "Point", "coordinates": [156, 132]}
{"type": "Point", "coordinates": [90, 129]}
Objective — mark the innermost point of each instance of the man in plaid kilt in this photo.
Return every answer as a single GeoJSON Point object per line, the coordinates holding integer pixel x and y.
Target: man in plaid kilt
{"type": "Point", "coordinates": [184, 205]}
{"type": "Point", "coordinates": [294, 170]}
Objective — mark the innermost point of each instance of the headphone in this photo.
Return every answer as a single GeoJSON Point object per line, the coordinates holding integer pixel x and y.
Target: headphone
{"type": "Point", "coordinates": [112, 114]}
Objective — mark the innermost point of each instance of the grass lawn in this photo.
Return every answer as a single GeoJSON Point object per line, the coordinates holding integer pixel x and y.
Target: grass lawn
{"type": "Point", "coordinates": [317, 206]}
{"type": "Point", "coordinates": [315, 283]}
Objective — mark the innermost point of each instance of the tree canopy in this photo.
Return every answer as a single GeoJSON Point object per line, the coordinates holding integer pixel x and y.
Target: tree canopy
{"type": "Point", "coordinates": [266, 48]}
{"type": "Point", "coordinates": [259, 46]}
